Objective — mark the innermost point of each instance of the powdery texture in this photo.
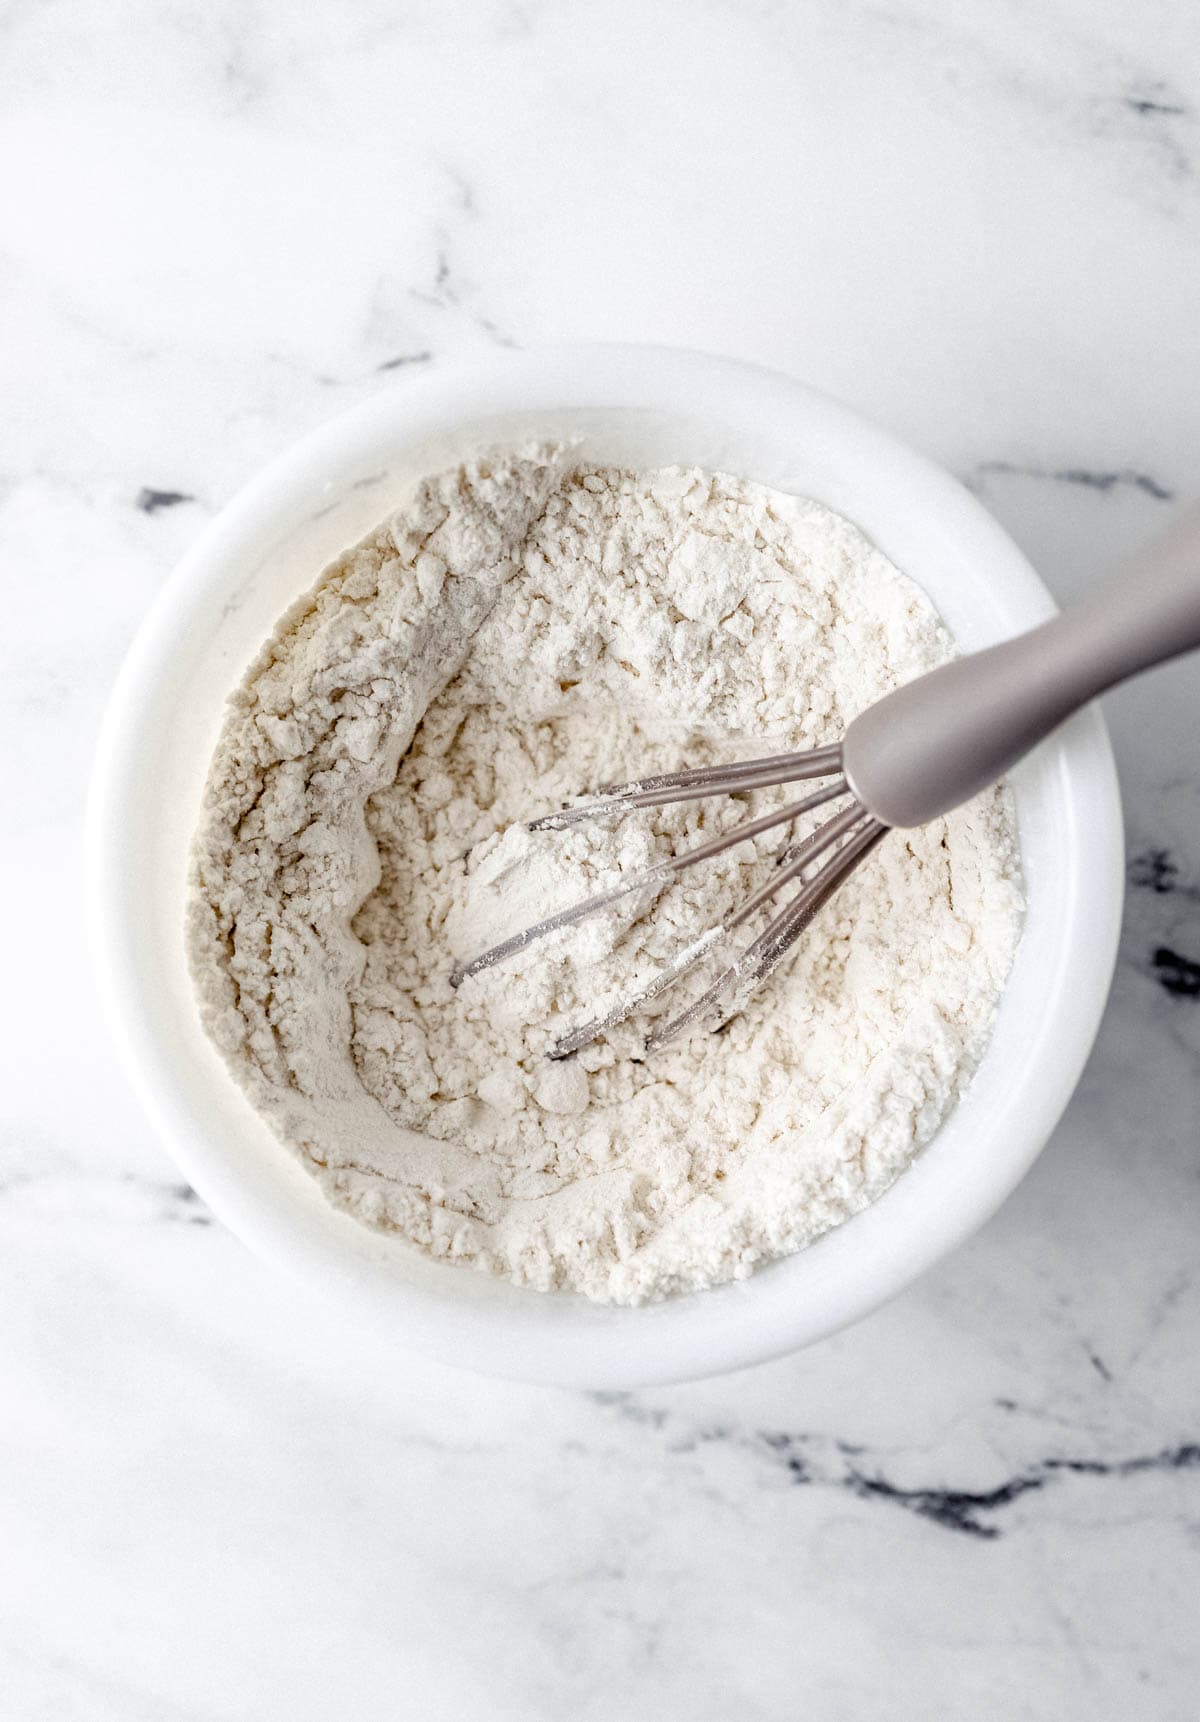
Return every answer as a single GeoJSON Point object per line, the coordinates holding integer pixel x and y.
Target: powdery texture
{"type": "Point", "coordinates": [522, 630]}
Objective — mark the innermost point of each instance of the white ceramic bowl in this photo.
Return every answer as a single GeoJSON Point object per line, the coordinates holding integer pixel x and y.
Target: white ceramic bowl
{"type": "Point", "coordinates": [647, 407]}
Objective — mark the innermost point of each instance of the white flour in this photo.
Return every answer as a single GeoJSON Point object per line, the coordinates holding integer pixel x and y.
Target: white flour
{"type": "Point", "coordinates": [524, 630]}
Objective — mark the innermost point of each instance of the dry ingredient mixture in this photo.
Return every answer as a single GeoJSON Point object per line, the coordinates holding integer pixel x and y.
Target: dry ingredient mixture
{"type": "Point", "coordinates": [523, 629]}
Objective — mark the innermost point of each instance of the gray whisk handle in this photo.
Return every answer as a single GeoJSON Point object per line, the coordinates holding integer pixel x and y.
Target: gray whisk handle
{"type": "Point", "coordinates": [939, 740]}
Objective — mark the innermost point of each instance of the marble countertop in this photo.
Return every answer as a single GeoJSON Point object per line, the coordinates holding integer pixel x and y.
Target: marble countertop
{"type": "Point", "coordinates": [979, 224]}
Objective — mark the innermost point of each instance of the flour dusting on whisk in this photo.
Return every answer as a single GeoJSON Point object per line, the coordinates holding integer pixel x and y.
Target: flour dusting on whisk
{"type": "Point", "coordinates": [525, 630]}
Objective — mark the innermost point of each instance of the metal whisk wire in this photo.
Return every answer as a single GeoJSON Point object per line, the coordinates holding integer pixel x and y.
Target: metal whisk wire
{"type": "Point", "coordinates": [845, 838]}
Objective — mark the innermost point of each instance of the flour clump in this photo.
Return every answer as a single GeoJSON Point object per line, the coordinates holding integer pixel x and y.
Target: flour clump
{"type": "Point", "coordinates": [522, 629]}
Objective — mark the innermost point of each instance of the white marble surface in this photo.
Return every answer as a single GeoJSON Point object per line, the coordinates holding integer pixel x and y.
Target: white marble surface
{"type": "Point", "coordinates": [219, 223]}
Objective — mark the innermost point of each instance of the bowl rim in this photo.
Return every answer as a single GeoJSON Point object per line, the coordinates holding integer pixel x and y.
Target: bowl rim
{"type": "Point", "coordinates": [750, 1325]}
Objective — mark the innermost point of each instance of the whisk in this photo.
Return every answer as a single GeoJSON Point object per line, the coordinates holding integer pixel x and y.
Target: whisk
{"type": "Point", "coordinates": [916, 754]}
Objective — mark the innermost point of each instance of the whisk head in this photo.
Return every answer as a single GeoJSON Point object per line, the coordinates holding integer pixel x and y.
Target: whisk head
{"type": "Point", "coordinates": [839, 844]}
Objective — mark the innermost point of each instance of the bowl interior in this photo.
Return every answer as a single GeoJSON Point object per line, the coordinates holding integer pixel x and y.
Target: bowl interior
{"type": "Point", "coordinates": [645, 409]}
